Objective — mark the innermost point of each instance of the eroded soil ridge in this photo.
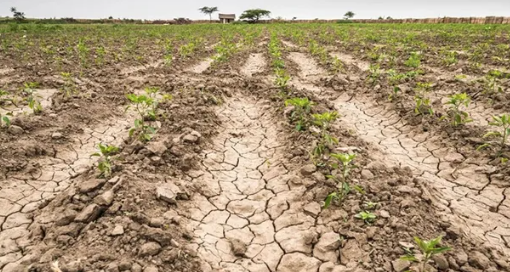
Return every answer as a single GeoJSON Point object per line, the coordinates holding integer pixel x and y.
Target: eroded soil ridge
{"type": "Point", "coordinates": [21, 194]}
{"type": "Point", "coordinates": [463, 188]}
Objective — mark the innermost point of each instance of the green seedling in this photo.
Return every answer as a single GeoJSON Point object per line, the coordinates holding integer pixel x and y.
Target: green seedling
{"type": "Point", "coordinates": [428, 250]}
{"type": "Point", "coordinates": [33, 99]}
{"type": "Point", "coordinates": [344, 161]}
{"type": "Point", "coordinates": [69, 87]}
{"type": "Point", "coordinates": [326, 141]}
{"type": "Point", "coordinates": [414, 60]}
{"type": "Point", "coordinates": [421, 99]}
{"type": "Point", "coordinates": [4, 119]}
{"type": "Point", "coordinates": [142, 104]}
{"type": "Point", "coordinates": [491, 82]}
{"type": "Point", "coordinates": [370, 205]}
{"type": "Point", "coordinates": [456, 115]}
{"type": "Point", "coordinates": [502, 122]}
{"type": "Point", "coordinates": [337, 65]}
{"type": "Point", "coordinates": [301, 113]}
{"type": "Point", "coordinates": [449, 58]}
{"type": "Point", "coordinates": [105, 161]}
{"type": "Point", "coordinates": [282, 79]}
{"type": "Point", "coordinates": [367, 217]}
{"type": "Point", "coordinates": [168, 59]}
{"type": "Point", "coordinates": [375, 74]}
{"type": "Point", "coordinates": [152, 94]}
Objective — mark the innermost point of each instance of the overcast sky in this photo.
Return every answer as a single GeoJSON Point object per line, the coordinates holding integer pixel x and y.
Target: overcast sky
{"type": "Point", "coordinates": [302, 9]}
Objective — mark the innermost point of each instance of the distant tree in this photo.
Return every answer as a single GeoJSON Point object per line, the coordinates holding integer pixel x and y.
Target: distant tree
{"type": "Point", "coordinates": [209, 11]}
{"type": "Point", "coordinates": [349, 15]}
{"type": "Point", "coordinates": [254, 15]}
{"type": "Point", "coordinates": [18, 16]}
{"type": "Point", "coordinates": [380, 18]}
{"type": "Point", "coordinates": [294, 18]}
{"type": "Point", "coordinates": [110, 18]}
{"type": "Point", "coordinates": [389, 18]}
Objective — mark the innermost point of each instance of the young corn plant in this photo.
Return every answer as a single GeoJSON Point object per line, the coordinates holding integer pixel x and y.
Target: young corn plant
{"type": "Point", "coordinates": [301, 113]}
{"type": "Point", "coordinates": [491, 83]}
{"type": "Point", "coordinates": [449, 58]}
{"type": "Point", "coordinates": [4, 119]}
{"type": "Point", "coordinates": [105, 161]}
{"type": "Point", "coordinates": [503, 123]}
{"type": "Point", "coordinates": [428, 250]}
{"type": "Point", "coordinates": [337, 65]}
{"type": "Point", "coordinates": [142, 104]}
{"type": "Point", "coordinates": [367, 217]}
{"type": "Point", "coordinates": [69, 87]}
{"type": "Point", "coordinates": [375, 74]}
{"type": "Point", "coordinates": [456, 114]}
{"type": "Point", "coordinates": [414, 60]}
{"type": "Point", "coordinates": [282, 79]}
{"type": "Point", "coordinates": [344, 161]}
{"type": "Point", "coordinates": [33, 99]}
{"type": "Point", "coordinates": [326, 141]}
{"type": "Point", "coordinates": [153, 95]}
{"type": "Point", "coordinates": [423, 105]}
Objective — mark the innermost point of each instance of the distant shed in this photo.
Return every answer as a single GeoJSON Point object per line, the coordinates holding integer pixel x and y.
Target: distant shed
{"type": "Point", "coordinates": [227, 18]}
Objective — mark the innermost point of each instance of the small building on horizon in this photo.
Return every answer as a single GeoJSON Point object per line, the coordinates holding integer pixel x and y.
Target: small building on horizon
{"type": "Point", "coordinates": [227, 18]}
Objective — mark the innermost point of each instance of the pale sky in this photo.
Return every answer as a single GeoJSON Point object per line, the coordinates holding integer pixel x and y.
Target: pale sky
{"type": "Point", "coordinates": [302, 9]}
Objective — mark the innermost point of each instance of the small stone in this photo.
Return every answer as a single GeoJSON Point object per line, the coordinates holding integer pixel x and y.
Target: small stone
{"type": "Point", "coordinates": [56, 135]}
{"type": "Point", "coordinates": [156, 222]}
{"type": "Point", "coordinates": [15, 130]}
{"type": "Point", "coordinates": [319, 177]}
{"type": "Point", "coordinates": [151, 268]}
{"type": "Point", "coordinates": [168, 192]}
{"type": "Point", "coordinates": [114, 180]}
{"type": "Point", "coordinates": [384, 214]}
{"type": "Point", "coordinates": [479, 260]}
{"type": "Point", "coordinates": [371, 231]}
{"type": "Point", "coordinates": [105, 199]}
{"type": "Point", "coordinates": [112, 267]}
{"type": "Point", "coordinates": [307, 170]}
{"type": "Point", "coordinates": [441, 262]}
{"type": "Point", "coordinates": [118, 230]}
{"type": "Point", "coordinates": [88, 214]}
{"type": "Point", "coordinates": [66, 217]}
{"type": "Point", "coordinates": [136, 268]}
{"type": "Point", "coordinates": [366, 174]}
{"type": "Point", "coordinates": [298, 262]}
{"type": "Point", "coordinates": [313, 208]}
{"type": "Point", "coordinates": [157, 148]}
{"type": "Point", "coordinates": [124, 265]}
{"type": "Point", "coordinates": [406, 245]}
{"type": "Point", "coordinates": [193, 137]}
{"type": "Point", "coordinates": [238, 247]}
{"type": "Point", "coordinates": [91, 185]}
{"type": "Point", "coordinates": [461, 257]}
{"type": "Point", "coordinates": [400, 265]}
{"type": "Point", "coordinates": [326, 248]}
{"type": "Point", "coordinates": [150, 249]}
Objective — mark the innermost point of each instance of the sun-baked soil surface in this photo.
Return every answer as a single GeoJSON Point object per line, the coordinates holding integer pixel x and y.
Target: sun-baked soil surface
{"type": "Point", "coordinates": [226, 183]}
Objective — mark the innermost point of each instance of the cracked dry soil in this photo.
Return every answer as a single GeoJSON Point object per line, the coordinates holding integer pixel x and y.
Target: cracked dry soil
{"type": "Point", "coordinates": [250, 214]}
{"type": "Point", "coordinates": [463, 189]}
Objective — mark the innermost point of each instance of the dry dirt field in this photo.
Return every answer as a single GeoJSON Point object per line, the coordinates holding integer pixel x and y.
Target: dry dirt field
{"type": "Point", "coordinates": [254, 148]}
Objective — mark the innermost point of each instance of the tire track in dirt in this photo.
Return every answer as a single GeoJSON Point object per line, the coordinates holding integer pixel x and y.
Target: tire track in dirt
{"type": "Point", "coordinates": [255, 64]}
{"type": "Point", "coordinates": [22, 194]}
{"type": "Point", "coordinates": [250, 215]}
{"type": "Point", "coordinates": [463, 188]}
